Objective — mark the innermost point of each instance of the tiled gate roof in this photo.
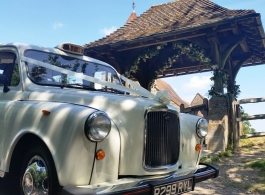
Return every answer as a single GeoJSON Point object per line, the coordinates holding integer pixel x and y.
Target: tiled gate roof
{"type": "Point", "coordinates": [169, 17]}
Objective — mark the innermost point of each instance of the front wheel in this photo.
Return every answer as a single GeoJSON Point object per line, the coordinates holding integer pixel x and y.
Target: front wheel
{"type": "Point", "coordinates": [38, 173]}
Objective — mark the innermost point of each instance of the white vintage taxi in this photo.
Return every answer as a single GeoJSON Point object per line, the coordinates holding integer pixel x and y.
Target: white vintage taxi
{"type": "Point", "coordinates": [69, 126]}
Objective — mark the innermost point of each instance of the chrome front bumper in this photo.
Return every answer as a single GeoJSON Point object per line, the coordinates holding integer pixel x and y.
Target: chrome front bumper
{"type": "Point", "coordinates": [141, 186]}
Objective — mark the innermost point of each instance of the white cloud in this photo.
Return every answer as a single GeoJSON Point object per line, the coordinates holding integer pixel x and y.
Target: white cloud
{"type": "Point", "coordinates": [197, 83]}
{"type": "Point", "coordinates": [57, 25]}
{"type": "Point", "coordinates": [189, 85]}
{"type": "Point", "coordinates": [188, 98]}
{"type": "Point", "coordinates": [107, 31]}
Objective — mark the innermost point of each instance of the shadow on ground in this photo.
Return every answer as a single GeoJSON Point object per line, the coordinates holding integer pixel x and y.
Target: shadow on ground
{"type": "Point", "coordinates": [235, 177]}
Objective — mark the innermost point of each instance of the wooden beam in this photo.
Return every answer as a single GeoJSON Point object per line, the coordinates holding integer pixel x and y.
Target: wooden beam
{"type": "Point", "coordinates": [253, 117]}
{"type": "Point", "coordinates": [226, 53]}
{"type": "Point", "coordinates": [236, 69]}
{"type": "Point", "coordinates": [174, 36]}
{"type": "Point", "coordinates": [251, 100]}
{"type": "Point", "coordinates": [242, 56]}
{"type": "Point", "coordinates": [231, 39]}
{"type": "Point", "coordinates": [257, 134]}
{"type": "Point", "coordinates": [187, 69]}
{"type": "Point", "coordinates": [193, 108]}
{"type": "Point", "coordinates": [244, 46]}
{"type": "Point", "coordinates": [200, 42]}
{"type": "Point", "coordinates": [215, 49]}
{"type": "Point", "coordinates": [172, 74]}
{"type": "Point", "coordinates": [166, 40]}
{"type": "Point", "coordinates": [235, 28]}
{"type": "Point", "coordinates": [256, 64]}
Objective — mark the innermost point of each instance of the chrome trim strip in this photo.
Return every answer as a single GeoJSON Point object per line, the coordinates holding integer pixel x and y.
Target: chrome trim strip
{"type": "Point", "coordinates": [119, 185]}
{"type": "Point", "coordinates": [2, 174]}
{"type": "Point", "coordinates": [166, 108]}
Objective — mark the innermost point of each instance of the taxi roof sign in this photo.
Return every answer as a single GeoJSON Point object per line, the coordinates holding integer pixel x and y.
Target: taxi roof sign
{"type": "Point", "coordinates": [71, 48]}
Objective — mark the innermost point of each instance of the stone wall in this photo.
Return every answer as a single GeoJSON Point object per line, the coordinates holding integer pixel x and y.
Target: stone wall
{"type": "Point", "coordinates": [217, 138]}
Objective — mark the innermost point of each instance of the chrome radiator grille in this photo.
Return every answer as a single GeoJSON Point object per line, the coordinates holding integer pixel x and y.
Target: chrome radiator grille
{"type": "Point", "coordinates": [162, 140]}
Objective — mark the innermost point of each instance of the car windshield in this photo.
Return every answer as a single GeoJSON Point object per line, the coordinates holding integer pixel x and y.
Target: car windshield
{"type": "Point", "coordinates": [44, 76]}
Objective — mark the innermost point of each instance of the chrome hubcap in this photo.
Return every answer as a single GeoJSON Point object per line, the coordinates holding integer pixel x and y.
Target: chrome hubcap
{"type": "Point", "coordinates": [35, 178]}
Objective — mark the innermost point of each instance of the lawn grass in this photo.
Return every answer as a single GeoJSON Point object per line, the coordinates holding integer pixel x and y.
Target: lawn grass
{"type": "Point", "coordinates": [259, 165]}
{"type": "Point", "coordinates": [215, 158]}
{"type": "Point", "coordinates": [248, 144]}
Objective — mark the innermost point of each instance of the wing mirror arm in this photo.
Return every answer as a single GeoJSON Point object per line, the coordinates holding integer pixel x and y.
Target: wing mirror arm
{"type": "Point", "coordinates": [3, 81]}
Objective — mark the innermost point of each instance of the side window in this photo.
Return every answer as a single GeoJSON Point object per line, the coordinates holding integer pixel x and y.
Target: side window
{"type": "Point", "coordinates": [9, 67]}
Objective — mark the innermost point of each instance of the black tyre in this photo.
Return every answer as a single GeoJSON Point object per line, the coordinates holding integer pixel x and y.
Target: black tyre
{"type": "Point", "coordinates": [36, 173]}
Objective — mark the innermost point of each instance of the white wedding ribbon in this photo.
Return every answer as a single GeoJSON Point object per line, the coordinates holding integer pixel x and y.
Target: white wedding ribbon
{"type": "Point", "coordinates": [162, 95]}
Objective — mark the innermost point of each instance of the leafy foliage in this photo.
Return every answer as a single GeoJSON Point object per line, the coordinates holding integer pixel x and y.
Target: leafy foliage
{"type": "Point", "coordinates": [37, 73]}
{"type": "Point", "coordinates": [246, 124]}
{"type": "Point", "coordinates": [15, 76]}
{"type": "Point", "coordinates": [54, 60]}
{"type": "Point", "coordinates": [146, 54]}
{"type": "Point", "coordinates": [194, 52]}
{"type": "Point", "coordinates": [220, 73]}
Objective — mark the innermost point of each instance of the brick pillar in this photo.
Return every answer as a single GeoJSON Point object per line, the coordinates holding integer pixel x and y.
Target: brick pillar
{"type": "Point", "coordinates": [217, 138]}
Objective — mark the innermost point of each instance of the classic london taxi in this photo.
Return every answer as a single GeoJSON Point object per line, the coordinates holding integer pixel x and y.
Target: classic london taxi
{"type": "Point", "coordinates": [68, 125]}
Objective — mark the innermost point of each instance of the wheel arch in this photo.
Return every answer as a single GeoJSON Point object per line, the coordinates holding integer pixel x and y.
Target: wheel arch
{"type": "Point", "coordinates": [21, 144]}
{"type": "Point", "coordinates": [30, 141]}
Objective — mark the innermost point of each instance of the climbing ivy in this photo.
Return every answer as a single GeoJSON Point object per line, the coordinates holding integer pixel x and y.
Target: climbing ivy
{"type": "Point", "coordinates": [194, 52]}
{"type": "Point", "coordinates": [220, 73]}
{"type": "Point", "coordinates": [146, 54]}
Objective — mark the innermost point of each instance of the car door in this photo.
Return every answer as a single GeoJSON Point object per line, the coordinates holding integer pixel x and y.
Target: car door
{"type": "Point", "coordinates": [9, 67]}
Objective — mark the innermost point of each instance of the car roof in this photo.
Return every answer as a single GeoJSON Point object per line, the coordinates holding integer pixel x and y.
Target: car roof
{"type": "Point", "coordinates": [22, 47]}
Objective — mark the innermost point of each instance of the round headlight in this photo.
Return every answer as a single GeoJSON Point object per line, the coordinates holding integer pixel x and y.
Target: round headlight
{"type": "Point", "coordinates": [97, 126]}
{"type": "Point", "coordinates": [202, 128]}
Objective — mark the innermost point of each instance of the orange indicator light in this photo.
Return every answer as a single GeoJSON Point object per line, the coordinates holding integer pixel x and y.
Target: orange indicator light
{"type": "Point", "coordinates": [198, 147]}
{"type": "Point", "coordinates": [100, 155]}
{"type": "Point", "coordinates": [46, 112]}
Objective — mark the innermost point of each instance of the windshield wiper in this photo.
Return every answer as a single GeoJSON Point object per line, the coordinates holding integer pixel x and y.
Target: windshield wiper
{"type": "Point", "coordinates": [78, 85]}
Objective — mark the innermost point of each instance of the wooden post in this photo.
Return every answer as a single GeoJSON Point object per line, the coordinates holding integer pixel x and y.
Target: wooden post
{"type": "Point", "coordinates": [234, 126]}
{"type": "Point", "coordinates": [231, 111]}
{"type": "Point", "coordinates": [181, 108]}
{"type": "Point", "coordinates": [237, 125]}
{"type": "Point", "coordinates": [241, 128]}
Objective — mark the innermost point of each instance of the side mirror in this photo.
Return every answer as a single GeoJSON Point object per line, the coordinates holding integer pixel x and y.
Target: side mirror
{"type": "Point", "coordinates": [3, 81]}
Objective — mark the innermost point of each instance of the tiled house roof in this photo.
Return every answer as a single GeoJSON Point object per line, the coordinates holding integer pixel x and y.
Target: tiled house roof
{"type": "Point", "coordinates": [132, 17]}
{"type": "Point", "coordinates": [171, 17]}
{"type": "Point", "coordinates": [197, 100]}
{"type": "Point", "coordinates": [162, 85]}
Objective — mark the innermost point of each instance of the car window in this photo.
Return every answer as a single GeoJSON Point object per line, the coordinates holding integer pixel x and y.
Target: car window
{"type": "Point", "coordinates": [45, 76]}
{"type": "Point", "coordinates": [9, 67]}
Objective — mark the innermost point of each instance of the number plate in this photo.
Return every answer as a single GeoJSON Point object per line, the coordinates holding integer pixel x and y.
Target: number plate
{"type": "Point", "coordinates": [174, 188]}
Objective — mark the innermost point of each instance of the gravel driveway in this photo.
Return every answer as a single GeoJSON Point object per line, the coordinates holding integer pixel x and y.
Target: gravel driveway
{"type": "Point", "coordinates": [234, 178]}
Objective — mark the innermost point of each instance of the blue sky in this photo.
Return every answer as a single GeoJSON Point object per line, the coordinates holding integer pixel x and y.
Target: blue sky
{"type": "Point", "coordinates": [50, 22]}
